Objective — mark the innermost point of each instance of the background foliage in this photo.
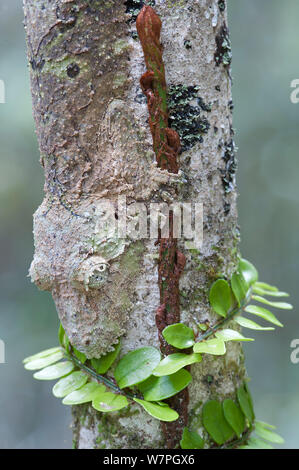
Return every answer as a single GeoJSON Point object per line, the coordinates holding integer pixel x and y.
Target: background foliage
{"type": "Point", "coordinates": [265, 59]}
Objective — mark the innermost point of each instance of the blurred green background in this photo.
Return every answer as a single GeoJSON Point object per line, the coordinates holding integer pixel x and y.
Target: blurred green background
{"type": "Point", "coordinates": [265, 60]}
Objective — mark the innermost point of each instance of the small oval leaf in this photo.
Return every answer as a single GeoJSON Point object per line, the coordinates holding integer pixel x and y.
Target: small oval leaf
{"type": "Point", "coordinates": [282, 305]}
{"type": "Point", "coordinates": [248, 271]}
{"type": "Point", "coordinates": [55, 372]}
{"type": "Point", "coordinates": [85, 394]}
{"type": "Point", "coordinates": [42, 362]}
{"type": "Point", "coordinates": [234, 416]}
{"type": "Point", "coordinates": [214, 346]}
{"type": "Point", "coordinates": [179, 335]}
{"type": "Point", "coordinates": [221, 297]}
{"type": "Point", "coordinates": [136, 366]}
{"type": "Point", "coordinates": [103, 364]}
{"type": "Point", "coordinates": [239, 287]}
{"type": "Point", "coordinates": [42, 354]}
{"type": "Point", "coordinates": [162, 411]}
{"type": "Point", "coordinates": [174, 362]}
{"type": "Point", "coordinates": [191, 440]}
{"type": "Point", "coordinates": [108, 402]}
{"type": "Point", "coordinates": [69, 383]}
{"type": "Point", "coordinates": [263, 313]}
{"type": "Point", "coordinates": [246, 323]}
{"type": "Point", "coordinates": [245, 403]}
{"type": "Point", "coordinates": [215, 423]}
{"type": "Point", "coordinates": [231, 335]}
{"type": "Point", "coordinates": [160, 388]}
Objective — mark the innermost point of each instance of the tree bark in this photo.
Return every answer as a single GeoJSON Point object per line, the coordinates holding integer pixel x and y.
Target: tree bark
{"type": "Point", "coordinates": [95, 142]}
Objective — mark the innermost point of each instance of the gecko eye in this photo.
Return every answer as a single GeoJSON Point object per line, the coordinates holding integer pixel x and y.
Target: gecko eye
{"type": "Point", "coordinates": [102, 267]}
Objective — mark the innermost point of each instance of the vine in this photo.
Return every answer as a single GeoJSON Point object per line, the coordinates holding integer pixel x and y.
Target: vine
{"type": "Point", "coordinates": [143, 377]}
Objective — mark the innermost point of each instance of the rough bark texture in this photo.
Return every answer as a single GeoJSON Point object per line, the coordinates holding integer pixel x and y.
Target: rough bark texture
{"type": "Point", "coordinates": [95, 142]}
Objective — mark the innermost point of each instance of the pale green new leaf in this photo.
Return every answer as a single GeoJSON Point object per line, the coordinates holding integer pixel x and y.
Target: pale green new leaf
{"type": "Point", "coordinates": [179, 335]}
{"type": "Point", "coordinates": [231, 335]}
{"type": "Point", "coordinates": [136, 366]}
{"type": "Point", "coordinates": [55, 372]}
{"type": "Point", "coordinates": [267, 434]}
{"type": "Point", "coordinates": [42, 354]}
{"type": "Point", "coordinates": [246, 323]}
{"type": "Point", "coordinates": [109, 401]}
{"type": "Point", "coordinates": [69, 383]}
{"type": "Point", "coordinates": [282, 305]}
{"type": "Point", "coordinates": [174, 362]}
{"type": "Point", "coordinates": [263, 313]}
{"type": "Point", "coordinates": [265, 286]}
{"type": "Point", "coordinates": [220, 297]}
{"type": "Point", "coordinates": [259, 291]}
{"type": "Point", "coordinates": [85, 394]}
{"type": "Point", "coordinates": [159, 411]}
{"type": "Point", "coordinates": [255, 443]}
{"type": "Point", "coordinates": [42, 362]}
{"type": "Point", "coordinates": [214, 346]}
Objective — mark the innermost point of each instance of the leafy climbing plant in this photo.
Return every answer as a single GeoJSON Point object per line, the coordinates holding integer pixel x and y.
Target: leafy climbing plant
{"type": "Point", "coordinates": [142, 376]}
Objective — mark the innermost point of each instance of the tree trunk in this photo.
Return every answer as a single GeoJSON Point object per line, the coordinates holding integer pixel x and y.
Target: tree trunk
{"type": "Point", "coordinates": [95, 141]}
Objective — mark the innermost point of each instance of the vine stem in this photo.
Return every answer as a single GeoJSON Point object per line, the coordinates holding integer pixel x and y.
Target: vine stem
{"type": "Point", "coordinates": [101, 378]}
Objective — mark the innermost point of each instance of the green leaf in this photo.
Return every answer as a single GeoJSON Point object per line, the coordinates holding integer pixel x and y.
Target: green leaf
{"type": "Point", "coordinates": [267, 434]}
{"type": "Point", "coordinates": [160, 388]}
{"type": "Point", "coordinates": [234, 416]}
{"type": "Point", "coordinates": [255, 443]}
{"type": "Point", "coordinates": [61, 334]}
{"type": "Point", "coordinates": [179, 335]}
{"type": "Point", "coordinates": [264, 285]}
{"type": "Point", "coordinates": [85, 394]}
{"type": "Point", "coordinates": [109, 401]}
{"type": "Point", "coordinates": [231, 335]}
{"type": "Point", "coordinates": [69, 383]}
{"type": "Point", "coordinates": [162, 412]}
{"type": "Point", "coordinates": [259, 291]}
{"type": "Point", "coordinates": [42, 354]}
{"type": "Point", "coordinates": [174, 362]}
{"type": "Point", "coordinates": [282, 305]}
{"type": "Point", "coordinates": [191, 440]}
{"type": "Point", "coordinates": [248, 272]}
{"type": "Point", "coordinates": [82, 358]}
{"type": "Point", "coordinates": [214, 346]}
{"type": "Point", "coordinates": [55, 372]}
{"type": "Point", "coordinates": [246, 323]}
{"type": "Point", "coordinates": [221, 297]}
{"type": "Point", "coordinates": [103, 364]}
{"type": "Point", "coordinates": [40, 363]}
{"type": "Point", "coordinates": [245, 403]}
{"type": "Point", "coordinates": [249, 398]}
{"type": "Point", "coordinates": [215, 423]}
{"type": "Point", "coordinates": [136, 366]}
{"type": "Point", "coordinates": [239, 287]}
{"type": "Point", "coordinates": [265, 425]}
{"type": "Point", "coordinates": [263, 313]}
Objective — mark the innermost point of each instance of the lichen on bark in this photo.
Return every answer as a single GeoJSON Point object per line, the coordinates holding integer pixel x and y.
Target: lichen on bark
{"type": "Point", "coordinates": [95, 143]}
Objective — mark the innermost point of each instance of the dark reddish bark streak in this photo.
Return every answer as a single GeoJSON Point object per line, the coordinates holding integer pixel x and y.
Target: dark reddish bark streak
{"type": "Point", "coordinates": [166, 144]}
